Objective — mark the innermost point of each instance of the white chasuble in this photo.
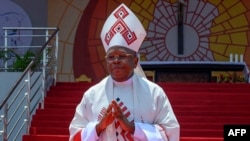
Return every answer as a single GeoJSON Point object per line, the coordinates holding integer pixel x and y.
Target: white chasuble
{"type": "Point", "coordinates": [142, 102]}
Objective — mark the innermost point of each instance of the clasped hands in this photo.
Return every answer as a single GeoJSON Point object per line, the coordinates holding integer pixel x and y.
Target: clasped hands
{"type": "Point", "coordinates": [114, 112]}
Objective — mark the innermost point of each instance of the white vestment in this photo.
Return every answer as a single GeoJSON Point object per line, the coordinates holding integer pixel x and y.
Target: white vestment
{"type": "Point", "coordinates": [142, 101]}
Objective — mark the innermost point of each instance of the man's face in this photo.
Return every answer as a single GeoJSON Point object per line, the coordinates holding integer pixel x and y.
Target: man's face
{"type": "Point", "coordinates": [121, 63]}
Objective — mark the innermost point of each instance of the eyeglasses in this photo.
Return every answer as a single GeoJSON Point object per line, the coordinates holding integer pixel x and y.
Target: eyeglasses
{"type": "Point", "coordinates": [120, 57]}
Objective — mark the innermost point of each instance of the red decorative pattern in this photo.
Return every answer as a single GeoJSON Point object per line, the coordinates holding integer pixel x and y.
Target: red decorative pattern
{"type": "Point", "coordinates": [120, 27]}
{"type": "Point", "coordinates": [121, 13]}
{"type": "Point", "coordinates": [125, 135]}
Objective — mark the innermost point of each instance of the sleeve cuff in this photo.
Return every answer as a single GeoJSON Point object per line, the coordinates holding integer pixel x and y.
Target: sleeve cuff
{"type": "Point", "coordinates": [147, 132]}
{"type": "Point", "coordinates": [89, 133]}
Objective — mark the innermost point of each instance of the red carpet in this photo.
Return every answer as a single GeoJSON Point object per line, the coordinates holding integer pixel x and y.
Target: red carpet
{"type": "Point", "coordinates": [202, 109]}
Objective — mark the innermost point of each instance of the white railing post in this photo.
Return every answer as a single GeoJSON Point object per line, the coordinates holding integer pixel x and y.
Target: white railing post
{"type": "Point", "coordinates": [43, 78]}
{"type": "Point", "coordinates": [28, 99]}
{"type": "Point", "coordinates": [56, 59]}
{"type": "Point", "coordinates": [5, 123]}
{"type": "Point", "coordinates": [44, 71]}
{"type": "Point", "coordinates": [6, 48]}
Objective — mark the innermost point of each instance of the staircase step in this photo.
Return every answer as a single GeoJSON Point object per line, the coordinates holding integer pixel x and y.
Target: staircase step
{"type": "Point", "coordinates": [202, 133]}
{"type": "Point", "coordinates": [67, 94]}
{"type": "Point", "coordinates": [212, 112]}
{"type": "Point", "coordinates": [57, 111]}
{"type": "Point", "coordinates": [60, 88]}
{"type": "Point", "coordinates": [213, 119]}
{"type": "Point", "coordinates": [203, 100]}
{"type": "Point", "coordinates": [52, 117]}
{"type": "Point", "coordinates": [46, 138]}
{"type": "Point", "coordinates": [202, 126]}
{"type": "Point", "coordinates": [210, 90]}
{"type": "Point", "coordinates": [208, 95]}
{"type": "Point", "coordinates": [49, 131]}
{"type": "Point", "coordinates": [49, 123]}
{"type": "Point", "coordinates": [201, 139]}
{"type": "Point", "coordinates": [59, 105]}
{"type": "Point", "coordinates": [240, 108]}
{"type": "Point", "coordinates": [52, 99]}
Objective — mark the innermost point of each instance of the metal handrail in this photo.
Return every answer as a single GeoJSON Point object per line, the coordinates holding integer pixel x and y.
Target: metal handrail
{"type": "Point", "coordinates": [11, 105]}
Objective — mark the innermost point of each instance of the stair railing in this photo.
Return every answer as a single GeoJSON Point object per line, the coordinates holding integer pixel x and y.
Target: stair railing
{"type": "Point", "coordinates": [28, 92]}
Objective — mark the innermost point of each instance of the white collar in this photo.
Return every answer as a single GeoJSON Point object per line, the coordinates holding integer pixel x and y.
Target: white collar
{"type": "Point", "coordinates": [127, 82]}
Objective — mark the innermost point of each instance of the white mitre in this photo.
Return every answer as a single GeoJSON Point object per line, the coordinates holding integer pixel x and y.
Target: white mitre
{"type": "Point", "coordinates": [123, 28]}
